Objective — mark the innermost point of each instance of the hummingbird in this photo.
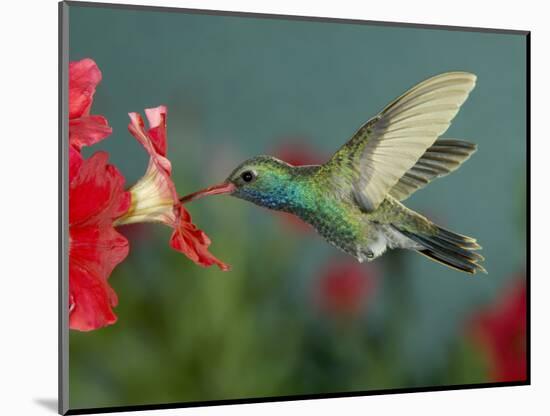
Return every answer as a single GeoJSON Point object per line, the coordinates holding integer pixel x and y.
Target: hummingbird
{"type": "Point", "coordinates": [354, 200]}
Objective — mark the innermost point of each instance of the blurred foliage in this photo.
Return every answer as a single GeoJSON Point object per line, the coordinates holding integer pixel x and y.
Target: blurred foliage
{"type": "Point", "coordinates": [237, 87]}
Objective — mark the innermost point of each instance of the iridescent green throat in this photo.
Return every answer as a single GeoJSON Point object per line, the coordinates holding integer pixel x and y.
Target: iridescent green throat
{"type": "Point", "coordinates": [284, 188]}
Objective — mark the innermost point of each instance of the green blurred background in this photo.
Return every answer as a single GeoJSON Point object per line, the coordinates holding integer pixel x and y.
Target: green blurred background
{"type": "Point", "coordinates": [295, 316]}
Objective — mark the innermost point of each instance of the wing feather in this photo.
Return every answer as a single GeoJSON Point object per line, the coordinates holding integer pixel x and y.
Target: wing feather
{"type": "Point", "coordinates": [385, 148]}
{"type": "Point", "coordinates": [445, 156]}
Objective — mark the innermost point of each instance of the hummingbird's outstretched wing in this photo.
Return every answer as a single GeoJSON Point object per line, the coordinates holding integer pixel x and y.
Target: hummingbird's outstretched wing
{"type": "Point", "coordinates": [391, 143]}
{"type": "Point", "coordinates": [441, 158]}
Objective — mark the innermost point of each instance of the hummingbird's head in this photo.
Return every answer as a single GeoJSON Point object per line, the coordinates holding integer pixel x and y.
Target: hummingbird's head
{"type": "Point", "coordinates": [263, 180]}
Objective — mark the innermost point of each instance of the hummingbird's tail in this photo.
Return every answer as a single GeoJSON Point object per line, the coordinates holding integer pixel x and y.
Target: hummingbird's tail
{"type": "Point", "coordinates": [451, 249]}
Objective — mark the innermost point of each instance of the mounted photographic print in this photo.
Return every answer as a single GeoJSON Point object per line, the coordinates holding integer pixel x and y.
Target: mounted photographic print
{"type": "Point", "coordinates": [265, 208]}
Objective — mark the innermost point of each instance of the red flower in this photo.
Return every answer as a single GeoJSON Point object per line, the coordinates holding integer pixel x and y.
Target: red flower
{"type": "Point", "coordinates": [345, 287]}
{"type": "Point", "coordinates": [96, 199]}
{"type": "Point", "coordinates": [298, 152]}
{"type": "Point", "coordinates": [154, 197]}
{"type": "Point", "coordinates": [84, 129]}
{"type": "Point", "coordinates": [98, 202]}
{"type": "Point", "coordinates": [501, 331]}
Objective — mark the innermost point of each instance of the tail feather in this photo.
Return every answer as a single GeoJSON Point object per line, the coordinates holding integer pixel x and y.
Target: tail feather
{"type": "Point", "coordinates": [461, 240]}
{"type": "Point", "coordinates": [464, 266]}
{"type": "Point", "coordinates": [454, 250]}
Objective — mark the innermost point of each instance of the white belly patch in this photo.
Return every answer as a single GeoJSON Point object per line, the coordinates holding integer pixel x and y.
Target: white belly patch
{"type": "Point", "coordinates": [375, 249]}
{"type": "Point", "coordinates": [386, 238]}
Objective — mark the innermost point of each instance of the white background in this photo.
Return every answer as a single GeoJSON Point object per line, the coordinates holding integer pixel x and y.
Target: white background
{"type": "Point", "coordinates": [28, 204]}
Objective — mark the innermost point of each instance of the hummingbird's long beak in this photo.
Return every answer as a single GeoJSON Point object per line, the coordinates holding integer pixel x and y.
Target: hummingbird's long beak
{"type": "Point", "coordinates": [222, 188]}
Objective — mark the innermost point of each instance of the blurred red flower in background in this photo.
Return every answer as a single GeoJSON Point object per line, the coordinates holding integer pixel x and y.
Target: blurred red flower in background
{"type": "Point", "coordinates": [500, 330]}
{"type": "Point", "coordinates": [297, 152]}
{"type": "Point", "coordinates": [154, 196]}
{"type": "Point", "coordinates": [344, 287]}
{"type": "Point", "coordinates": [84, 129]}
{"type": "Point", "coordinates": [97, 198]}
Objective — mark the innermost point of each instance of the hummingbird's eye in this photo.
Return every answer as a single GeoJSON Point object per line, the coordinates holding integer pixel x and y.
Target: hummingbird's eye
{"type": "Point", "coordinates": [248, 176]}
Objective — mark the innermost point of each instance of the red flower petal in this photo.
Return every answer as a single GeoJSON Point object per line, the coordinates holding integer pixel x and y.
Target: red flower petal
{"type": "Point", "coordinates": [99, 245]}
{"type": "Point", "coordinates": [298, 152]}
{"type": "Point", "coordinates": [345, 286]}
{"type": "Point", "coordinates": [91, 299]}
{"type": "Point", "coordinates": [84, 76]}
{"type": "Point", "coordinates": [75, 161]}
{"type": "Point", "coordinates": [157, 132]}
{"type": "Point", "coordinates": [186, 238]}
{"type": "Point", "coordinates": [84, 129]}
{"type": "Point", "coordinates": [501, 331]}
{"type": "Point", "coordinates": [137, 129]}
{"type": "Point", "coordinates": [96, 193]}
{"type": "Point", "coordinates": [96, 199]}
{"type": "Point", "coordinates": [193, 242]}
